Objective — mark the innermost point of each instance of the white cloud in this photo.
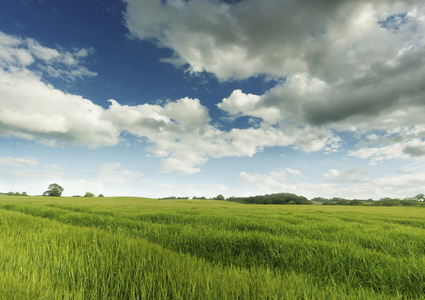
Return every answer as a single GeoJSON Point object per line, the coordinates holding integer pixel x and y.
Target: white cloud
{"type": "Point", "coordinates": [349, 183]}
{"type": "Point", "coordinates": [36, 174]}
{"type": "Point", "coordinates": [41, 52]}
{"type": "Point", "coordinates": [114, 174]}
{"type": "Point", "coordinates": [405, 149]}
{"type": "Point", "coordinates": [278, 39]}
{"type": "Point", "coordinates": [35, 109]}
{"type": "Point", "coordinates": [351, 66]}
{"type": "Point", "coordinates": [30, 168]}
{"type": "Point", "coordinates": [18, 54]}
{"type": "Point", "coordinates": [352, 175]}
{"type": "Point", "coordinates": [187, 112]}
{"type": "Point", "coordinates": [19, 161]}
{"type": "Point", "coordinates": [180, 133]}
{"type": "Point", "coordinates": [354, 184]}
{"type": "Point", "coordinates": [276, 182]}
{"type": "Point", "coordinates": [11, 54]}
{"type": "Point", "coordinates": [248, 104]}
{"type": "Point", "coordinates": [293, 172]}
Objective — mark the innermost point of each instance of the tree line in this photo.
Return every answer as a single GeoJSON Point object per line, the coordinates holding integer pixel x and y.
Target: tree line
{"type": "Point", "coordinates": [55, 190]}
{"type": "Point", "coordinates": [418, 200]}
{"type": "Point", "coordinates": [278, 198]}
{"type": "Point", "coordinates": [15, 194]}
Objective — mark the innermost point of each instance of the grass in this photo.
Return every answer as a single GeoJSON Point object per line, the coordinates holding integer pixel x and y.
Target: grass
{"type": "Point", "coordinates": [135, 248]}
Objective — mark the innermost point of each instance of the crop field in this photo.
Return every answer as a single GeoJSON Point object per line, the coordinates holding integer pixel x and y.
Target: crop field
{"type": "Point", "coordinates": [136, 248]}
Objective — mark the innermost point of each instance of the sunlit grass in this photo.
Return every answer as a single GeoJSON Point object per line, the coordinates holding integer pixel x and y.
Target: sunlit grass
{"type": "Point", "coordinates": [134, 248]}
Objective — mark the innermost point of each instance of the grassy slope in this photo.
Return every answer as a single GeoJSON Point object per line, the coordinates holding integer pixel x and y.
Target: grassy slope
{"type": "Point", "coordinates": [130, 248]}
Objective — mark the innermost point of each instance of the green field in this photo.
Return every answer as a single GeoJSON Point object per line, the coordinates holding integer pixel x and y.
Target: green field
{"type": "Point", "coordinates": [134, 248]}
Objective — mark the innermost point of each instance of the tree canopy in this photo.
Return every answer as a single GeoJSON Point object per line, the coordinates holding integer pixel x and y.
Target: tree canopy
{"type": "Point", "coordinates": [279, 198]}
{"type": "Point", "coordinates": [54, 190]}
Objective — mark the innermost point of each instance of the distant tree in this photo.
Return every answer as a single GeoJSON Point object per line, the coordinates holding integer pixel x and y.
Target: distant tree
{"type": "Point", "coordinates": [420, 196]}
{"type": "Point", "coordinates": [11, 193]}
{"type": "Point", "coordinates": [24, 194]}
{"type": "Point", "coordinates": [219, 197]}
{"type": "Point", "coordinates": [101, 195]}
{"type": "Point", "coordinates": [388, 202]}
{"type": "Point", "coordinates": [54, 190]}
{"type": "Point", "coordinates": [267, 200]}
{"type": "Point", "coordinates": [319, 199]}
{"type": "Point", "coordinates": [356, 202]}
{"type": "Point", "coordinates": [17, 194]}
{"type": "Point", "coordinates": [88, 194]}
{"type": "Point", "coordinates": [410, 202]}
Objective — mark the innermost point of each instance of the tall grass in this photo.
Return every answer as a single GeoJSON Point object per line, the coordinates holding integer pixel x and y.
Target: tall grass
{"type": "Point", "coordinates": [132, 248]}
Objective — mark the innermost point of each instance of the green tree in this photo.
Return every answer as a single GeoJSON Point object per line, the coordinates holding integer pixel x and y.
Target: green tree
{"type": "Point", "coordinates": [420, 196]}
{"type": "Point", "coordinates": [219, 197]}
{"type": "Point", "coordinates": [88, 194]}
{"type": "Point", "coordinates": [356, 202]}
{"type": "Point", "coordinates": [101, 195]}
{"type": "Point", "coordinates": [54, 190]}
{"type": "Point", "coordinates": [24, 194]}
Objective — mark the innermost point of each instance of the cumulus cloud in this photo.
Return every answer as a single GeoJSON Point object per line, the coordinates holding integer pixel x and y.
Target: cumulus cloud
{"type": "Point", "coordinates": [277, 38]}
{"type": "Point", "coordinates": [179, 132]}
{"type": "Point", "coordinates": [17, 53]}
{"type": "Point", "coordinates": [32, 109]}
{"type": "Point", "coordinates": [346, 66]}
{"type": "Point", "coordinates": [240, 103]}
{"type": "Point", "coordinates": [404, 149]}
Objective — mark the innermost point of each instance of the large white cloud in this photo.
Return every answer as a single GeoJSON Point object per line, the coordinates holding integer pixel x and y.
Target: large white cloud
{"type": "Point", "coordinates": [276, 38]}
{"type": "Point", "coordinates": [33, 109]}
{"type": "Point", "coordinates": [409, 148]}
{"type": "Point", "coordinates": [179, 132]}
{"type": "Point", "coordinates": [351, 66]}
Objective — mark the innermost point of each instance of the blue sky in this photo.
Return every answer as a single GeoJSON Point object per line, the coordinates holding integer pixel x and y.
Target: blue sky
{"type": "Point", "coordinates": [201, 97]}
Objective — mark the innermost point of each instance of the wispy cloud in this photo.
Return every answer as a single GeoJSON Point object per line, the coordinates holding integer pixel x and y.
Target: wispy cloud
{"type": "Point", "coordinates": [19, 161]}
